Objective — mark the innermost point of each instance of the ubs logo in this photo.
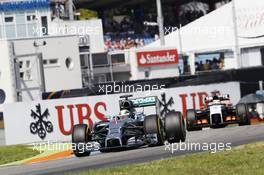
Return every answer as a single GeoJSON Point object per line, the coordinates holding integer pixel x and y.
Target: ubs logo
{"type": "Point", "coordinates": [41, 125]}
{"type": "Point", "coordinates": [165, 105]}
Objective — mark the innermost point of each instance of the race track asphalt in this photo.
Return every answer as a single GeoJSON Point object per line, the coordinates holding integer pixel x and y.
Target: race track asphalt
{"type": "Point", "coordinates": [234, 135]}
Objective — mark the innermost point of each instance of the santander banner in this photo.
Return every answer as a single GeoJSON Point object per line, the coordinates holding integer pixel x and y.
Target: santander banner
{"type": "Point", "coordinates": [156, 58]}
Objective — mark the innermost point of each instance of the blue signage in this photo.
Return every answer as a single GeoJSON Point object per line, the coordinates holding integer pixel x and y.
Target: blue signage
{"type": "Point", "coordinates": [24, 5]}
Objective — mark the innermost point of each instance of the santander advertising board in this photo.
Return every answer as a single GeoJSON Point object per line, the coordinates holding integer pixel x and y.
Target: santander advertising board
{"type": "Point", "coordinates": [156, 58]}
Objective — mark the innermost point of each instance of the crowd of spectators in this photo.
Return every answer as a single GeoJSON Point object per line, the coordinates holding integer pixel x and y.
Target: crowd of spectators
{"type": "Point", "coordinates": [129, 25]}
{"type": "Point", "coordinates": [125, 28]}
{"type": "Point", "coordinates": [125, 43]}
{"type": "Point", "coordinates": [128, 33]}
{"type": "Point", "coordinates": [215, 64]}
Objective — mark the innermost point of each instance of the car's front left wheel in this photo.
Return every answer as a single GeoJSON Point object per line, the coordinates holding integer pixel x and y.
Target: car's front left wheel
{"type": "Point", "coordinates": [153, 125]}
{"type": "Point", "coordinates": [242, 112]}
{"type": "Point", "coordinates": [175, 127]}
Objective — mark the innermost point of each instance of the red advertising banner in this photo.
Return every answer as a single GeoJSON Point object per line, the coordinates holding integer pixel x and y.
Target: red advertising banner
{"type": "Point", "coordinates": [156, 58]}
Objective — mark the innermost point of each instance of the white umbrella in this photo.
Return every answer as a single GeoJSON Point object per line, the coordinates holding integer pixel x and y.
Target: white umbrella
{"type": "Point", "coordinates": [252, 98]}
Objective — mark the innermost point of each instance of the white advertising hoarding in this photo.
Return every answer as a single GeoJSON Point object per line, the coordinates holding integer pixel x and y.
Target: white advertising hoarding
{"type": "Point", "coordinates": [53, 120]}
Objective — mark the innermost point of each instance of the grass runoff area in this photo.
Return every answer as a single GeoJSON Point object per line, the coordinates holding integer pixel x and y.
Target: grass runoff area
{"type": "Point", "coordinates": [10, 154]}
{"type": "Point", "coordinates": [242, 160]}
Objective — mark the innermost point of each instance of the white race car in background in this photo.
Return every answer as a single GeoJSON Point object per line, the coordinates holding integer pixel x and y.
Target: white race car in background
{"type": "Point", "coordinates": [218, 113]}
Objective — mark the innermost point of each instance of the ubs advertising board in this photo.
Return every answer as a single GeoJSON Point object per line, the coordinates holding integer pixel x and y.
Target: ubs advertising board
{"type": "Point", "coordinates": [53, 120]}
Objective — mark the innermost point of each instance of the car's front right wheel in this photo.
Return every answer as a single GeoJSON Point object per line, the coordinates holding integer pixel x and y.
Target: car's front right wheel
{"type": "Point", "coordinates": [190, 120]}
{"type": "Point", "coordinates": [79, 139]}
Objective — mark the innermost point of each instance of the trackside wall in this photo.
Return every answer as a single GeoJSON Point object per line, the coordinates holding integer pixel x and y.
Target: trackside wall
{"type": "Point", "coordinates": [55, 118]}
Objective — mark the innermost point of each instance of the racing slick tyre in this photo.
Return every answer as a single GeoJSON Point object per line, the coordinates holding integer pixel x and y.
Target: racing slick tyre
{"type": "Point", "coordinates": [175, 127]}
{"type": "Point", "coordinates": [153, 125]}
{"type": "Point", "coordinates": [190, 119]}
{"type": "Point", "coordinates": [242, 112]}
{"type": "Point", "coordinates": [79, 139]}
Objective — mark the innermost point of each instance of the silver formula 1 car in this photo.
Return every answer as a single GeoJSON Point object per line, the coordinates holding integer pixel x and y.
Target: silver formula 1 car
{"type": "Point", "coordinates": [130, 128]}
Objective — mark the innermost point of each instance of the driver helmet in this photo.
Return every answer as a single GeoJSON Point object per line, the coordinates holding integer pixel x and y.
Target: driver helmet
{"type": "Point", "coordinates": [216, 97]}
{"type": "Point", "coordinates": [124, 112]}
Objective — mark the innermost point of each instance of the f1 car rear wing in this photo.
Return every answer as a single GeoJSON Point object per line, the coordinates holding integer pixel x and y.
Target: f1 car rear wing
{"type": "Point", "coordinates": [220, 97]}
{"type": "Point", "coordinates": [139, 102]}
{"type": "Point", "coordinates": [144, 102]}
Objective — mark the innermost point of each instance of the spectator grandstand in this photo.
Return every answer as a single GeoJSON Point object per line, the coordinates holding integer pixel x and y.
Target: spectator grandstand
{"type": "Point", "coordinates": [133, 23]}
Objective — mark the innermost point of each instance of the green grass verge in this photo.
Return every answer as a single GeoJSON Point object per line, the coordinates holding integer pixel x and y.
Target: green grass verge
{"type": "Point", "coordinates": [243, 160]}
{"type": "Point", "coordinates": [10, 154]}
